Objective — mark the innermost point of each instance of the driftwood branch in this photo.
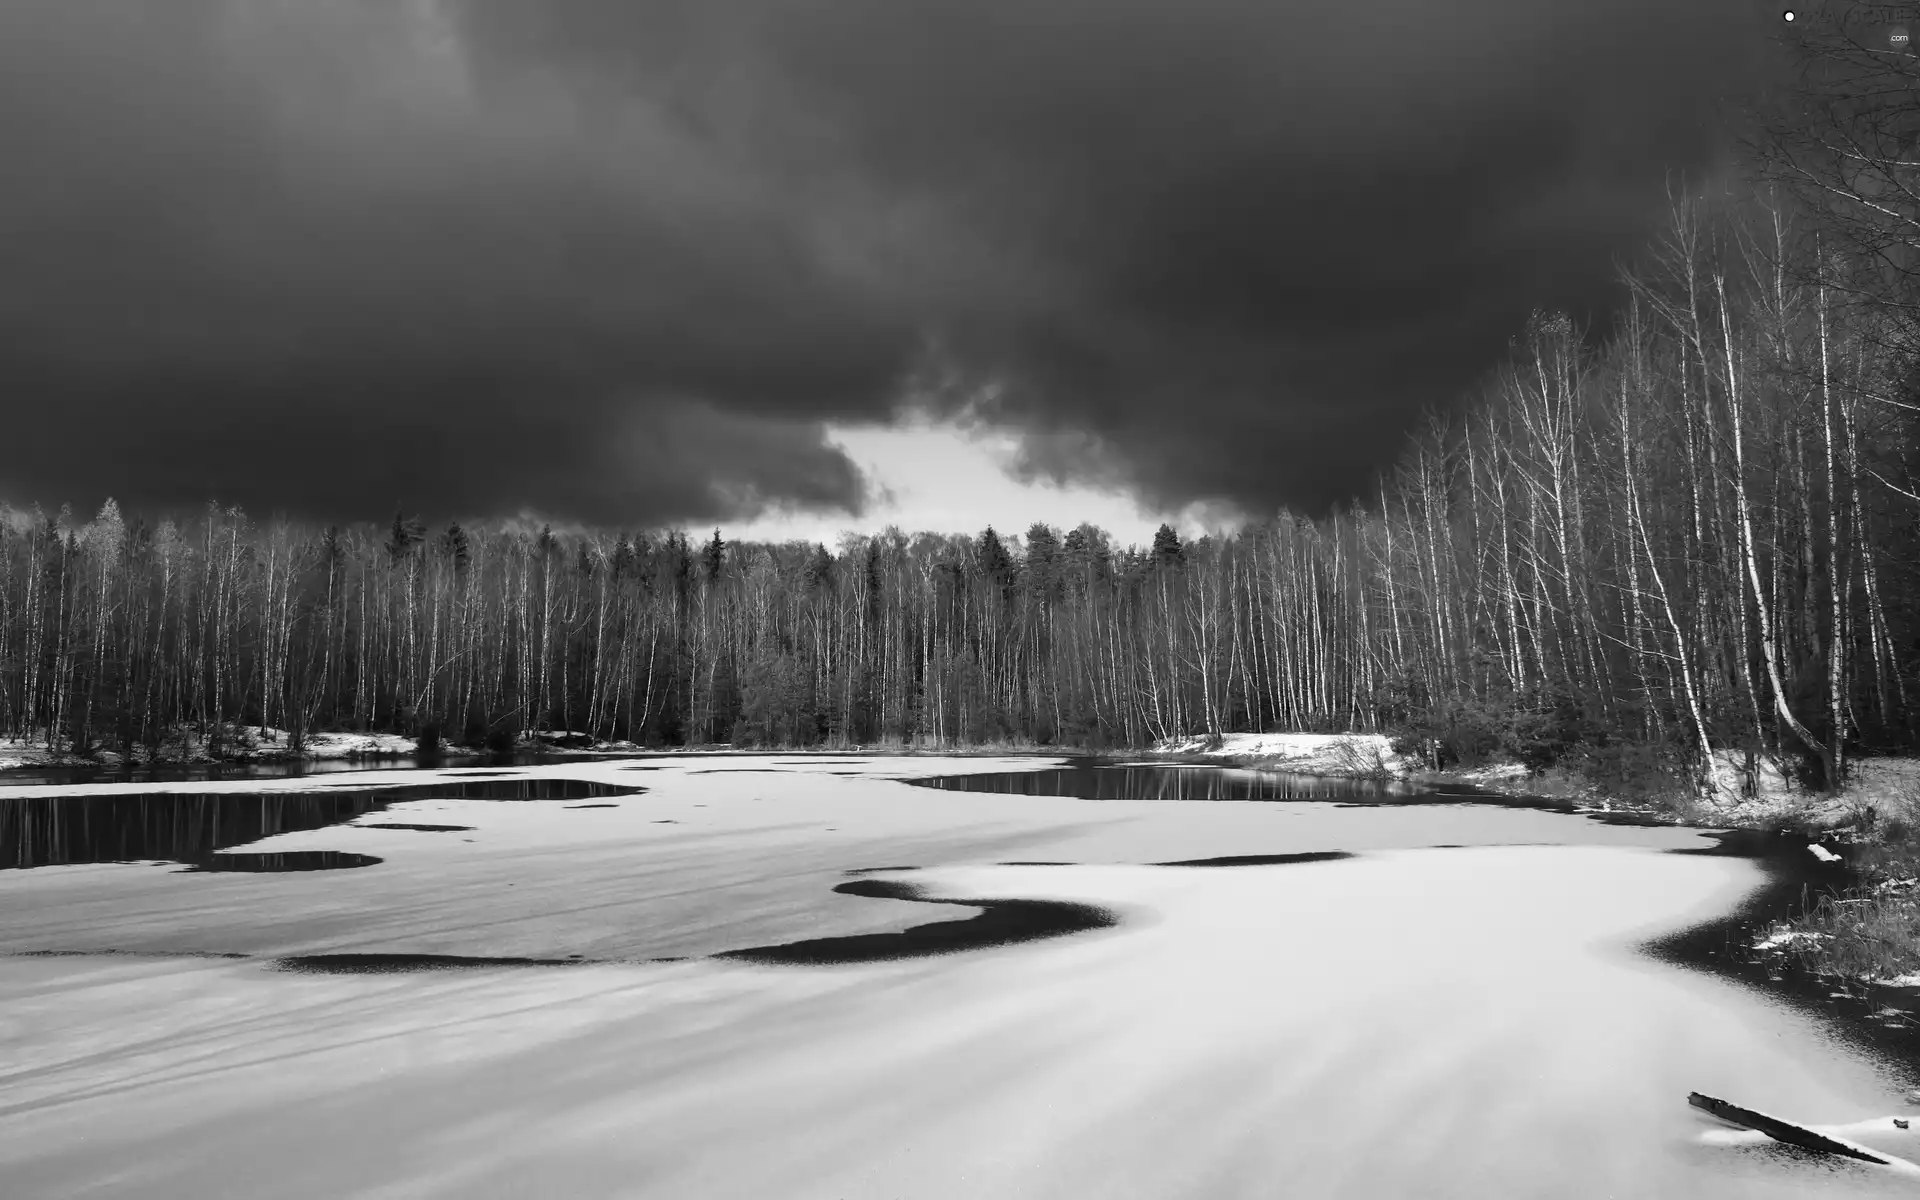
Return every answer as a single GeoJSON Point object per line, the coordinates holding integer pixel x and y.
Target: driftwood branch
{"type": "Point", "coordinates": [1796, 1135]}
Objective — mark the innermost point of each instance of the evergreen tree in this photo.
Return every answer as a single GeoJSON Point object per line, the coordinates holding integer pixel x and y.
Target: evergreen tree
{"type": "Point", "coordinates": [996, 566]}
{"type": "Point", "coordinates": [405, 533]}
{"type": "Point", "coordinates": [1167, 550]}
{"type": "Point", "coordinates": [456, 546]}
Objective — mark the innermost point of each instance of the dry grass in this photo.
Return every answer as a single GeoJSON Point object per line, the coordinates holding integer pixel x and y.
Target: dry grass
{"type": "Point", "coordinates": [1363, 760]}
{"type": "Point", "coordinates": [1889, 812]}
{"type": "Point", "coordinates": [1872, 931]}
{"type": "Point", "coordinates": [1874, 936]}
{"type": "Point", "coordinates": [1555, 783]}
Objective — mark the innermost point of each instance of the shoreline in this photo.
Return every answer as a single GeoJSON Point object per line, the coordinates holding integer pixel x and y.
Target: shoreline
{"type": "Point", "coordinates": [1836, 929]}
{"type": "Point", "coordinates": [1885, 787]}
{"type": "Point", "coordinates": [1776, 941]}
{"type": "Point", "coordinates": [1848, 821]}
{"type": "Point", "coordinates": [245, 746]}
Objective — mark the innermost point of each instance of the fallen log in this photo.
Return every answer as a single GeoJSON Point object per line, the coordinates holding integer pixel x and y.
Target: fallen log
{"type": "Point", "coordinates": [1788, 1132]}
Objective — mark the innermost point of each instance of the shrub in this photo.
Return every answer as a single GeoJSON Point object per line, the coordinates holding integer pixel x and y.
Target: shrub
{"type": "Point", "coordinates": [427, 741]}
{"type": "Point", "coordinates": [1634, 770]}
{"type": "Point", "coordinates": [1362, 760]}
{"type": "Point", "coordinates": [1452, 733]}
{"type": "Point", "coordinates": [1542, 728]}
{"type": "Point", "coordinates": [1538, 728]}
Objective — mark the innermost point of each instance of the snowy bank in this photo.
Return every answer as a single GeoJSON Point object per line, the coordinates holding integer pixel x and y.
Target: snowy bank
{"type": "Point", "coordinates": [1877, 790]}
{"type": "Point", "coordinates": [267, 744]}
{"type": "Point", "coordinates": [1348, 755]}
{"type": "Point", "coordinates": [242, 744]}
{"type": "Point", "coordinates": [1756, 795]}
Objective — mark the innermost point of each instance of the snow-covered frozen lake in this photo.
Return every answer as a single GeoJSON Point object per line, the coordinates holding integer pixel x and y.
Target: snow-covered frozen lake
{"type": "Point", "coordinates": [1457, 1008]}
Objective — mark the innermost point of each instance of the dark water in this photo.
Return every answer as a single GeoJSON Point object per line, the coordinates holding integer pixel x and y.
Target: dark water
{"type": "Point", "coordinates": [395, 964]}
{"type": "Point", "coordinates": [191, 828]}
{"type": "Point", "coordinates": [1881, 1019]}
{"type": "Point", "coordinates": [1096, 779]}
{"type": "Point", "coordinates": [420, 828]}
{"type": "Point", "coordinates": [213, 772]}
{"type": "Point", "coordinates": [999, 923]}
{"type": "Point", "coordinates": [1256, 860]}
{"type": "Point", "coordinates": [287, 860]}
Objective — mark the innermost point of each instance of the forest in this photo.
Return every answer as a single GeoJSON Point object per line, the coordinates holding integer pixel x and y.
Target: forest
{"type": "Point", "coordinates": [1636, 547]}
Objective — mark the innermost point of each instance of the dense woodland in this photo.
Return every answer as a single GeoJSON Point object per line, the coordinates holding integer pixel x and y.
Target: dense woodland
{"type": "Point", "coordinates": [1689, 533]}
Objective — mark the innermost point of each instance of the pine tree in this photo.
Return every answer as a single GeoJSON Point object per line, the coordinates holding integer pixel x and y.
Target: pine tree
{"type": "Point", "coordinates": [405, 534]}
{"type": "Point", "coordinates": [456, 546]}
{"type": "Point", "coordinates": [996, 566]}
{"type": "Point", "coordinates": [1167, 550]}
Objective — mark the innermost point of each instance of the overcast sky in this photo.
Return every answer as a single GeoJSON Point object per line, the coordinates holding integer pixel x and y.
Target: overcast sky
{"type": "Point", "coordinates": [636, 262]}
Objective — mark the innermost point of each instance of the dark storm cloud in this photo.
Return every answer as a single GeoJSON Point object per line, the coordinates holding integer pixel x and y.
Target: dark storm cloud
{"type": "Point", "coordinates": [619, 261]}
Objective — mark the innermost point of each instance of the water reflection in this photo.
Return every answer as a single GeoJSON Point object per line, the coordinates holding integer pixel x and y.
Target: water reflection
{"type": "Point", "coordinates": [190, 827]}
{"type": "Point", "coordinates": [286, 860]}
{"type": "Point", "coordinates": [1096, 780]}
{"type": "Point", "coordinates": [420, 828]}
{"type": "Point", "coordinates": [212, 772]}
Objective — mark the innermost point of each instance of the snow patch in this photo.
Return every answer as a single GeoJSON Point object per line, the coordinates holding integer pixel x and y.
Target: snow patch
{"type": "Point", "coordinates": [352, 745]}
{"type": "Point", "coordinates": [1780, 937]}
{"type": "Point", "coordinates": [1497, 773]}
{"type": "Point", "coordinates": [1343, 754]}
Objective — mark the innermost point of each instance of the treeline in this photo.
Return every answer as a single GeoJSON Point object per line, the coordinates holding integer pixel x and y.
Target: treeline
{"type": "Point", "coordinates": [117, 633]}
{"type": "Point", "coordinates": [1693, 535]}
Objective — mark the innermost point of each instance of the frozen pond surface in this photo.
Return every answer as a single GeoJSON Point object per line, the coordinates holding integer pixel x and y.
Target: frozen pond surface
{"type": "Point", "coordinates": [1356, 998]}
